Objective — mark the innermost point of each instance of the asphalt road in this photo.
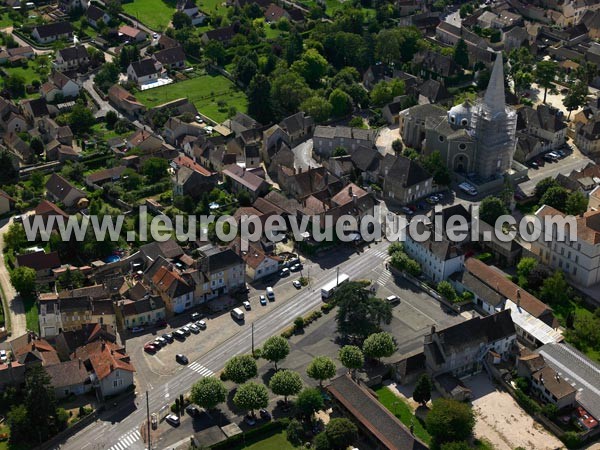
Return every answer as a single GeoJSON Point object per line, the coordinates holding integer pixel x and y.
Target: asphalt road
{"type": "Point", "coordinates": [120, 430]}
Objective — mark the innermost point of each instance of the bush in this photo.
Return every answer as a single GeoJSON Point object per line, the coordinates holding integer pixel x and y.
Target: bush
{"type": "Point", "coordinates": [299, 323]}
{"type": "Point", "coordinates": [326, 307]}
{"type": "Point", "coordinates": [572, 439]}
{"type": "Point", "coordinates": [527, 403]}
{"type": "Point", "coordinates": [295, 432]}
{"type": "Point", "coordinates": [288, 332]}
{"type": "Point", "coordinates": [484, 257]}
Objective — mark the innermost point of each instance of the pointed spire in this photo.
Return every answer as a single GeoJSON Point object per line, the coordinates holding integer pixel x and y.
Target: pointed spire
{"type": "Point", "coordinates": [494, 100]}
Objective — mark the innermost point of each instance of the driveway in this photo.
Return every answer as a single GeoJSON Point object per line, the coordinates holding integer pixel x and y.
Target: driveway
{"type": "Point", "coordinates": [103, 105]}
{"type": "Point", "coordinates": [303, 156]}
{"type": "Point", "coordinates": [16, 309]}
{"type": "Point", "coordinates": [386, 136]}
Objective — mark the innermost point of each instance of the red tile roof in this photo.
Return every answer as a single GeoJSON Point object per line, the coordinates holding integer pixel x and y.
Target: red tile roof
{"type": "Point", "coordinates": [105, 357]}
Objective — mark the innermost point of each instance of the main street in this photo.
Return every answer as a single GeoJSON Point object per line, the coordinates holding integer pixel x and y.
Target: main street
{"type": "Point", "coordinates": [115, 432]}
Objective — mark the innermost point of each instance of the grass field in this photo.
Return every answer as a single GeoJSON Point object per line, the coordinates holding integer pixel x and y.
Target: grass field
{"type": "Point", "coordinates": [276, 442]}
{"type": "Point", "coordinates": [155, 14]}
{"type": "Point", "coordinates": [31, 314]}
{"type": "Point", "coordinates": [26, 72]}
{"type": "Point", "coordinates": [5, 21]}
{"type": "Point", "coordinates": [206, 92]}
{"type": "Point", "coordinates": [212, 6]}
{"type": "Point", "coordinates": [403, 412]}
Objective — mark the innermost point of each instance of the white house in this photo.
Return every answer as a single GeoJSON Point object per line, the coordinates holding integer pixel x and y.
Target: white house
{"type": "Point", "coordinates": [94, 15]}
{"type": "Point", "coordinates": [144, 71]}
{"type": "Point", "coordinates": [439, 258]}
{"type": "Point", "coordinates": [51, 32]}
{"type": "Point", "coordinates": [189, 8]}
{"type": "Point", "coordinates": [71, 58]}
{"type": "Point", "coordinates": [60, 85]}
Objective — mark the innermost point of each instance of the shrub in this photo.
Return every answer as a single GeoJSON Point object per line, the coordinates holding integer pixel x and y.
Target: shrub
{"type": "Point", "coordinates": [527, 403]}
{"type": "Point", "coordinates": [326, 307]}
{"type": "Point", "coordinates": [484, 257]}
{"type": "Point", "coordinates": [572, 439]}
{"type": "Point", "coordinates": [299, 323]}
{"type": "Point", "coordinates": [288, 332]}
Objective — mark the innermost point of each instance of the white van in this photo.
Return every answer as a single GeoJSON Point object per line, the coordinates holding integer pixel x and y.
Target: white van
{"type": "Point", "coordinates": [270, 293]}
{"type": "Point", "coordinates": [237, 314]}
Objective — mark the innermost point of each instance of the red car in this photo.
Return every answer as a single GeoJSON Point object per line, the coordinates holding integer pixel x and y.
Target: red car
{"type": "Point", "coordinates": [150, 348]}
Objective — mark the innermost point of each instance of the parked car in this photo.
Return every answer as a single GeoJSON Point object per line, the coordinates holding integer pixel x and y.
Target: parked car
{"type": "Point", "coordinates": [407, 210]}
{"type": "Point", "coordinates": [285, 272]}
{"type": "Point", "coordinates": [3, 356]}
{"type": "Point", "coordinates": [264, 414]}
{"type": "Point", "coordinates": [196, 316]}
{"type": "Point", "coordinates": [168, 337]}
{"type": "Point", "coordinates": [201, 324]}
{"type": "Point", "coordinates": [137, 329]}
{"type": "Point", "coordinates": [193, 328]}
{"type": "Point", "coordinates": [247, 305]}
{"type": "Point", "coordinates": [179, 334]}
{"type": "Point", "coordinates": [181, 359]}
{"type": "Point", "coordinates": [192, 410]}
{"type": "Point", "coordinates": [297, 284]}
{"type": "Point", "coordinates": [393, 299]}
{"type": "Point", "coordinates": [173, 419]}
{"type": "Point", "coordinates": [161, 340]}
{"type": "Point", "coordinates": [296, 268]}
{"type": "Point", "coordinates": [263, 300]}
{"type": "Point", "coordinates": [560, 153]}
{"type": "Point", "coordinates": [158, 344]}
{"type": "Point", "coordinates": [150, 348]}
{"type": "Point", "coordinates": [186, 330]}
{"type": "Point", "coordinates": [251, 421]}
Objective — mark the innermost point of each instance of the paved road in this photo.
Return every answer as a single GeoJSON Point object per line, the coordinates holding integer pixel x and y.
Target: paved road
{"type": "Point", "coordinates": [103, 105]}
{"type": "Point", "coordinates": [16, 309]}
{"type": "Point", "coordinates": [124, 434]}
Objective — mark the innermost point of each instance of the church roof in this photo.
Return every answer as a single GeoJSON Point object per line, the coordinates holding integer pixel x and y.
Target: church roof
{"type": "Point", "coordinates": [494, 99]}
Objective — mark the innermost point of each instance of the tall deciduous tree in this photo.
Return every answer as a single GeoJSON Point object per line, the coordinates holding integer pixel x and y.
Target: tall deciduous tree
{"type": "Point", "coordinates": [490, 209]}
{"type": "Point", "coordinates": [321, 368]}
{"type": "Point", "coordinates": [576, 203]}
{"type": "Point", "coordinates": [450, 420]}
{"type": "Point", "coordinates": [260, 105]}
{"type": "Point", "coordinates": [422, 392]}
{"type": "Point", "coordinates": [461, 54]}
{"type": "Point", "coordinates": [575, 97]}
{"type": "Point", "coordinates": [341, 433]}
{"type": "Point", "coordinates": [23, 280]}
{"type": "Point", "coordinates": [240, 369]}
{"type": "Point", "coordinates": [275, 349]}
{"type": "Point", "coordinates": [208, 392]}
{"type": "Point", "coordinates": [379, 345]}
{"type": "Point", "coordinates": [545, 73]}
{"type": "Point", "coordinates": [352, 358]}
{"type": "Point", "coordinates": [251, 396]}
{"type": "Point", "coordinates": [286, 383]}
{"type": "Point", "coordinates": [309, 401]}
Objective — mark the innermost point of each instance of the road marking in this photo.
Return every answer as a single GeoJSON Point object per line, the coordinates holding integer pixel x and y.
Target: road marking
{"type": "Point", "coordinates": [384, 278]}
{"type": "Point", "coordinates": [127, 440]}
{"type": "Point", "coordinates": [196, 367]}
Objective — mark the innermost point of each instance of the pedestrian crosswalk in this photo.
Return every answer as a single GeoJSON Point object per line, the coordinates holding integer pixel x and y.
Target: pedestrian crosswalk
{"type": "Point", "coordinates": [127, 440]}
{"type": "Point", "coordinates": [384, 277]}
{"type": "Point", "coordinates": [197, 367]}
{"type": "Point", "coordinates": [380, 254]}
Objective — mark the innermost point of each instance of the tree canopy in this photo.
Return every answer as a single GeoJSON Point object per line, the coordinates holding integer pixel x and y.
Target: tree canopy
{"type": "Point", "coordinates": [379, 345]}
{"type": "Point", "coordinates": [286, 383]}
{"type": "Point", "coordinates": [251, 396]}
{"type": "Point", "coordinates": [450, 420]}
{"type": "Point", "coordinates": [208, 392]}
{"type": "Point", "coordinates": [275, 349]}
{"type": "Point", "coordinates": [321, 368]}
{"type": "Point", "coordinates": [240, 369]}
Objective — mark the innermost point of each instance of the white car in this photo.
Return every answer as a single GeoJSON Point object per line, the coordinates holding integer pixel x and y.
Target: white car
{"type": "Point", "coordinates": [297, 284]}
{"type": "Point", "coordinates": [173, 419]}
{"type": "Point", "coordinates": [3, 356]}
{"type": "Point", "coordinates": [247, 305]}
{"type": "Point", "coordinates": [155, 35]}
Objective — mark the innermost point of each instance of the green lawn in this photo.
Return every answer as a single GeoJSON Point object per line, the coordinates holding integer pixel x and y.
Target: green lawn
{"type": "Point", "coordinates": [276, 442]}
{"type": "Point", "coordinates": [212, 6]}
{"type": "Point", "coordinates": [402, 411]}
{"type": "Point", "coordinates": [155, 14]}
{"type": "Point", "coordinates": [31, 314]}
{"type": "Point", "coordinates": [205, 92]}
{"type": "Point", "coordinates": [26, 72]}
{"type": "Point", "coordinates": [5, 21]}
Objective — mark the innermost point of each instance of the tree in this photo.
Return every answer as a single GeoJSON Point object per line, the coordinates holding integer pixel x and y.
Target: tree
{"type": "Point", "coordinates": [545, 73]}
{"type": "Point", "coordinates": [81, 119]}
{"type": "Point", "coordinates": [422, 392]}
{"type": "Point", "coordinates": [286, 383]}
{"type": "Point", "coordinates": [23, 280]}
{"type": "Point", "coordinates": [359, 314]}
{"type": "Point", "coordinates": [215, 52]}
{"type": "Point", "coordinates": [436, 166]}
{"type": "Point", "coordinates": [240, 369]}
{"type": "Point", "coordinates": [40, 402]}
{"type": "Point", "coordinates": [352, 358]}
{"type": "Point", "coordinates": [107, 76]}
{"type": "Point", "coordinates": [275, 349]}
{"type": "Point", "coordinates": [10, 168]}
{"type": "Point", "coordinates": [251, 396]}
{"type": "Point", "coordinates": [244, 198]}
{"type": "Point", "coordinates": [450, 420]}
{"type": "Point", "coordinates": [111, 119]}
{"type": "Point", "coordinates": [575, 97]}
{"type": "Point", "coordinates": [321, 442]}
{"type": "Point", "coordinates": [312, 66]}
{"type": "Point", "coordinates": [461, 54]}
{"type": "Point", "coordinates": [245, 69]}
{"type": "Point", "coordinates": [37, 145]}
{"type": "Point", "coordinates": [317, 107]}
{"type": "Point", "coordinates": [15, 85]}
{"type": "Point", "coordinates": [155, 169]}
{"type": "Point", "coordinates": [491, 208]}
{"type": "Point", "coordinates": [339, 151]}
{"type": "Point", "coordinates": [524, 268]}
{"type": "Point", "coordinates": [181, 20]}
{"type": "Point", "coordinates": [341, 103]}
{"type": "Point", "coordinates": [309, 401]}
{"type": "Point", "coordinates": [127, 55]}
{"type": "Point", "coordinates": [70, 279]}
{"type": "Point", "coordinates": [543, 185]}
{"type": "Point", "coordinates": [295, 432]}
{"type": "Point", "coordinates": [556, 197]}
{"type": "Point", "coordinates": [341, 432]}
{"type": "Point", "coordinates": [576, 203]}
{"type": "Point", "coordinates": [260, 105]}
{"type": "Point", "coordinates": [288, 91]}
{"type": "Point", "coordinates": [18, 423]}
{"type": "Point", "coordinates": [208, 392]}
{"type": "Point", "coordinates": [15, 236]}
{"type": "Point", "coordinates": [555, 290]}
{"type": "Point", "coordinates": [403, 262]}
{"type": "Point", "coordinates": [113, 7]}
{"type": "Point", "coordinates": [397, 146]}
{"type": "Point", "coordinates": [321, 368]}
{"type": "Point", "coordinates": [446, 290]}
{"type": "Point", "coordinates": [458, 445]}
{"type": "Point", "coordinates": [379, 345]}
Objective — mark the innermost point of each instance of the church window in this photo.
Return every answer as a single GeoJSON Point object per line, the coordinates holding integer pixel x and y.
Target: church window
{"type": "Point", "coordinates": [441, 138]}
{"type": "Point", "coordinates": [464, 122]}
{"type": "Point", "coordinates": [462, 146]}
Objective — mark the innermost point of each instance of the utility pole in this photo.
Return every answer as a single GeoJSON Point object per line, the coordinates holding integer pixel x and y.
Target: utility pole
{"type": "Point", "coordinates": [252, 338]}
{"type": "Point", "coordinates": [148, 420]}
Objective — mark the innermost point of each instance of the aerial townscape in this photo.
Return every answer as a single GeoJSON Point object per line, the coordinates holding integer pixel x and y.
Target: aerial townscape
{"type": "Point", "coordinates": [299, 224]}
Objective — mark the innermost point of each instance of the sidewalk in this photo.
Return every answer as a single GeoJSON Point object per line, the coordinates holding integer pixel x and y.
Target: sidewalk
{"type": "Point", "coordinates": [16, 309]}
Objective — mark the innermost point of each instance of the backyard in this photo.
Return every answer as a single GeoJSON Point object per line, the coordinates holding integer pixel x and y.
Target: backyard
{"type": "Point", "coordinates": [155, 14]}
{"type": "Point", "coordinates": [213, 95]}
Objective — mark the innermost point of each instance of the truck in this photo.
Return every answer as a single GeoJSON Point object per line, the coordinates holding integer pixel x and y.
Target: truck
{"type": "Point", "coordinates": [468, 188]}
{"type": "Point", "coordinates": [237, 314]}
{"type": "Point", "coordinates": [328, 290]}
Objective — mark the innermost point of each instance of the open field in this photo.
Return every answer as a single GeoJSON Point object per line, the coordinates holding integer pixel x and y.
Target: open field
{"type": "Point", "coordinates": [213, 95]}
{"type": "Point", "coordinates": [155, 14]}
{"type": "Point", "coordinates": [212, 6]}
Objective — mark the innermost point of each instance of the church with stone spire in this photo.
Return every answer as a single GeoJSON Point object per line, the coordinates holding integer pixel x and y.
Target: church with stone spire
{"type": "Point", "coordinates": [476, 140]}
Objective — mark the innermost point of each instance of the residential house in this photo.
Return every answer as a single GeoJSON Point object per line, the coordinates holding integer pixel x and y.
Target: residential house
{"type": "Point", "coordinates": [16, 55]}
{"type": "Point", "coordinates": [242, 179]}
{"type": "Point", "coordinates": [368, 162]}
{"type": "Point", "coordinates": [404, 180]}
{"type": "Point", "coordinates": [71, 58]}
{"type": "Point", "coordinates": [29, 350]}
{"type": "Point", "coordinates": [436, 66]}
{"type": "Point", "coordinates": [60, 190]}
{"type": "Point", "coordinates": [545, 123]}
{"type": "Point", "coordinates": [73, 5]}
{"type": "Point", "coordinates": [438, 256]}
{"type": "Point", "coordinates": [110, 365]}
{"type": "Point", "coordinates": [391, 111]}
{"type": "Point", "coordinates": [477, 46]}
{"type": "Point", "coordinates": [413, 123]}
{"type": "Point", "coordinates": [7, 203]}
{"type": "Point", "coordinates": [59, 87]}
{"type": "Point", "coordinates": [18, 147]}
{"type": "Point", "coordinates": [69, 378]}
{"type": "Point", "coordinates": [587, 136]}
{"type": "Point", "coordinates": [51, 32]}
{"type": "Point", "coordinates": [190, 178]}
{"type": "Point", "coordinates": [258, 263]}
{"type": "Point", "coordinates": [140, 308]}
{"type": "Point", "coordinates": [102, 176]}
{"type": "Point", "coordinates": [144, 71]}
{"type": "Point", "coordinates": [300, 184]}
{"type": "Point", "coordinates": [11, 119]}
{"type": "Point", "coordinates": [131, 34]}
{"type": "Point", "coordinates": [12, 374]}
{"type": "Point", "coordinates": [275, 13]}
{"type": "Point", "coordinates": [326, 139]}
{"type": "Point", "coordinates": [125, 101]}
{"type": "Point", "coordinates": [224, 270]}
{"type": "Point", "coordinates": [165, 41]}
{"type": "Point", "coordinates": [55, 151]}
{"type": "Point", "coordinates": [223, 35]}
{"type": "Point", "coordinates": [240, 123]}
{"type": "Point", "coordinates": [273, 140]}
{"type": "Point", "coordinates": [51, 131]}
{"type": "Point", "coordinates": [189, 8]}
{"type": "Point", "coordinates": [379, 426]}
{"type": "Point", "coordinates": [95, 15]}
{"type": "Point", "coordinates": [144, 140]}
{"type": "Point", "coordinates": [578, 259]}
{"type": "Point", "coordinates": [172, 58]}
{"type": "Point", "coordinates": [298, 126]}
{"type": "Point", "coordinates": [491, 289]}
{"type": "Point", "coordinates": [591, 20]}
{"type": "Point", "coordinates": [168, 250]}
{"type": "Point", "coordinates": [459, 350]}
{"type": "Point", "coordinates": [176, 292]}
{"type": "Point", "coordinates": [47, 210]}
{"type": "Point", "coordinates": [175, 129]}
{"type": "Point", "coordinates": [37, 109]}
{"type": "Point", "coordinates": [43, 263]}
{"type": "Point", "coordinates": [531, 331]}
{"type": "Point", "coordinates": [67, 342]}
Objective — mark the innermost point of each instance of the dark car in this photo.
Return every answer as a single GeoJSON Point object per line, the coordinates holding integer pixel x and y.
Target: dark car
{"type": "Point", "coordinates": [181, 359]}
{"type": "Point", "coordinates": [150, 348]}
{"type": "Point", "coordinates": [168, 337]}
{"type": "Point", "coordinates": [196, 316]}
{"type": "Point", "coordinates": [264, 414]}
{"type": "Point", "coordinates": [192, 410]}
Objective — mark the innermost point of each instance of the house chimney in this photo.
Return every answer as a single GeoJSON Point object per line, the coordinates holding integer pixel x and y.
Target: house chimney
{"type": "Point", "coordinates": [354, 199]}
{"type": "Point", "coordinates": [542, 379]}
{"type": "Point", "coordinates": [518, 298]}
{"type": "Point", "coordinates": [80, 363]}
{"type": "Point", "coordinates": [103, 345]}
{"type": "Point", "coordinates": [432, 329]}
{"type": "Point", "coordinates": [350, 190]}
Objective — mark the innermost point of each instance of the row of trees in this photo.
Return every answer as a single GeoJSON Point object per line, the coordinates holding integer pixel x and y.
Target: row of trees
{"type": "Point", "coordinates": [551, 193]}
